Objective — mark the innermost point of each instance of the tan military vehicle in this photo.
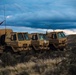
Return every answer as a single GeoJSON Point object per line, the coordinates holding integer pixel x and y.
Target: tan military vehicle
{"type": "Point", "coordinates": [57, 40]}
{"type": "Point", "coordinates": [39, 41]}
{"type": "Point", "coordinates": [16, 41]}
{"type": "Point", "coordinates": [3, 33]}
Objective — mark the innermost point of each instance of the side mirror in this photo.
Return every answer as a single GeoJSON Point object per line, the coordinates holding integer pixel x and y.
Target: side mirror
{"type": "Point", "coordinates": [11, 38]}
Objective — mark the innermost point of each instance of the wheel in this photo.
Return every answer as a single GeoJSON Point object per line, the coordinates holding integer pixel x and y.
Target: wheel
{"type": "Point", "coordinates": [52, 47]}
{"type": "Point", "coordinates": [8, 49]}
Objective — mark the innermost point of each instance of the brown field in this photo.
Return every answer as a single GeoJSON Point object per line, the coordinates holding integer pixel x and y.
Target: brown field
{"type": "Point", "coordinates": [54, 63]}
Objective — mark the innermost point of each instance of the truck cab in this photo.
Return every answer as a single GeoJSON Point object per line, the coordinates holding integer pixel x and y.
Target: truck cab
{"type": "Point", "coordinates": [57, 40]}
{"type": "Point", "coordinates": [39, 41]}
{"type": "Point", "coordinates": [18, 41]}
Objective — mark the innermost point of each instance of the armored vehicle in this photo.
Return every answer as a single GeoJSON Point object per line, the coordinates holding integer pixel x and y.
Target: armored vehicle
{"type": "Point", "coordinates": [39, 41]}
{"type": "Point", "coordinates": [57, 40]}
{"type": "Point", "coordinates": [15, 41]}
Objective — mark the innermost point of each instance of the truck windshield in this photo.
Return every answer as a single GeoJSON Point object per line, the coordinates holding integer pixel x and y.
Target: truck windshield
{"type": "Point", "coordinates": [26, 36]}
{"type": "Point", "coordinates": [20, 37]}
{"type": "Point", "coordinates": [42, 37]}
{"type": "Point", "coordinates": [61, 35]}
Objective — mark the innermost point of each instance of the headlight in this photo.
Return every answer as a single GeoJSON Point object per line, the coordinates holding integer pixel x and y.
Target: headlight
{"type": "Point", "coordinates": [45, 41]}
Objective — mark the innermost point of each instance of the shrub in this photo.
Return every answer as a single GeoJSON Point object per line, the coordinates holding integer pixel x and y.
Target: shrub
{"type": "Point", "coordinates": [24, 58]}
{"type": "Point", "coordinates": [5, 72]}
{"type": "Point", "coordinates": [23, 73]}
{"type": "Point", "coordinates": [72, 69]}
{"type": "Point", "coordinates": [55, 71]}
{"type": "Point", "coordinates": [39, 68]}
{"type": "Point", "coordinates": [8, 59]}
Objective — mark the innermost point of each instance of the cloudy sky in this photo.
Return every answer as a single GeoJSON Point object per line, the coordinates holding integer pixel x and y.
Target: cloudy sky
{"type": "Point", "coordinates": [39, 14]}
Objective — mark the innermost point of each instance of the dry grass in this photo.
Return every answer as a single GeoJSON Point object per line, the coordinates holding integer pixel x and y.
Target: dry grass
{"type": "Point", "coordinates": [33, 67]}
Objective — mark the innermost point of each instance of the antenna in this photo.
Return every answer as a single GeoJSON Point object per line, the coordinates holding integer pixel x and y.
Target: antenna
{"type": "Point", "coordinates": [5, 19]}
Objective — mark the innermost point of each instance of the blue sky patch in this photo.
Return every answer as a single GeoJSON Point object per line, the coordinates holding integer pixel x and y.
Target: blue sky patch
{"type": "Point", "coordinates": [45, 14]}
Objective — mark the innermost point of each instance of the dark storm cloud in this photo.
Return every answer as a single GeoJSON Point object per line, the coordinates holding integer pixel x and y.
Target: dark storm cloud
{"type": "Point", "coordinates": [56, 14]}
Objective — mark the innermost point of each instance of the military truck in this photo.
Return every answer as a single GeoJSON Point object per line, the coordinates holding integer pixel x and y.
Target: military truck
{"type": "Point", "coordinates": [14, 41]}
{"type": "Point", "coordinates": [3, 33]}
{"type": "Point", "coordinates": [57, 40]}
{"type": "Point", "coordinates": [39, 41]}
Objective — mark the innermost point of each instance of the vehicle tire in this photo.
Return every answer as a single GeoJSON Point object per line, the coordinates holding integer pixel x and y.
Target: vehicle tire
{"type": "Point", "coordinates": [52, 47]}
{"type": "Point", "coordinates": [8, 50]}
